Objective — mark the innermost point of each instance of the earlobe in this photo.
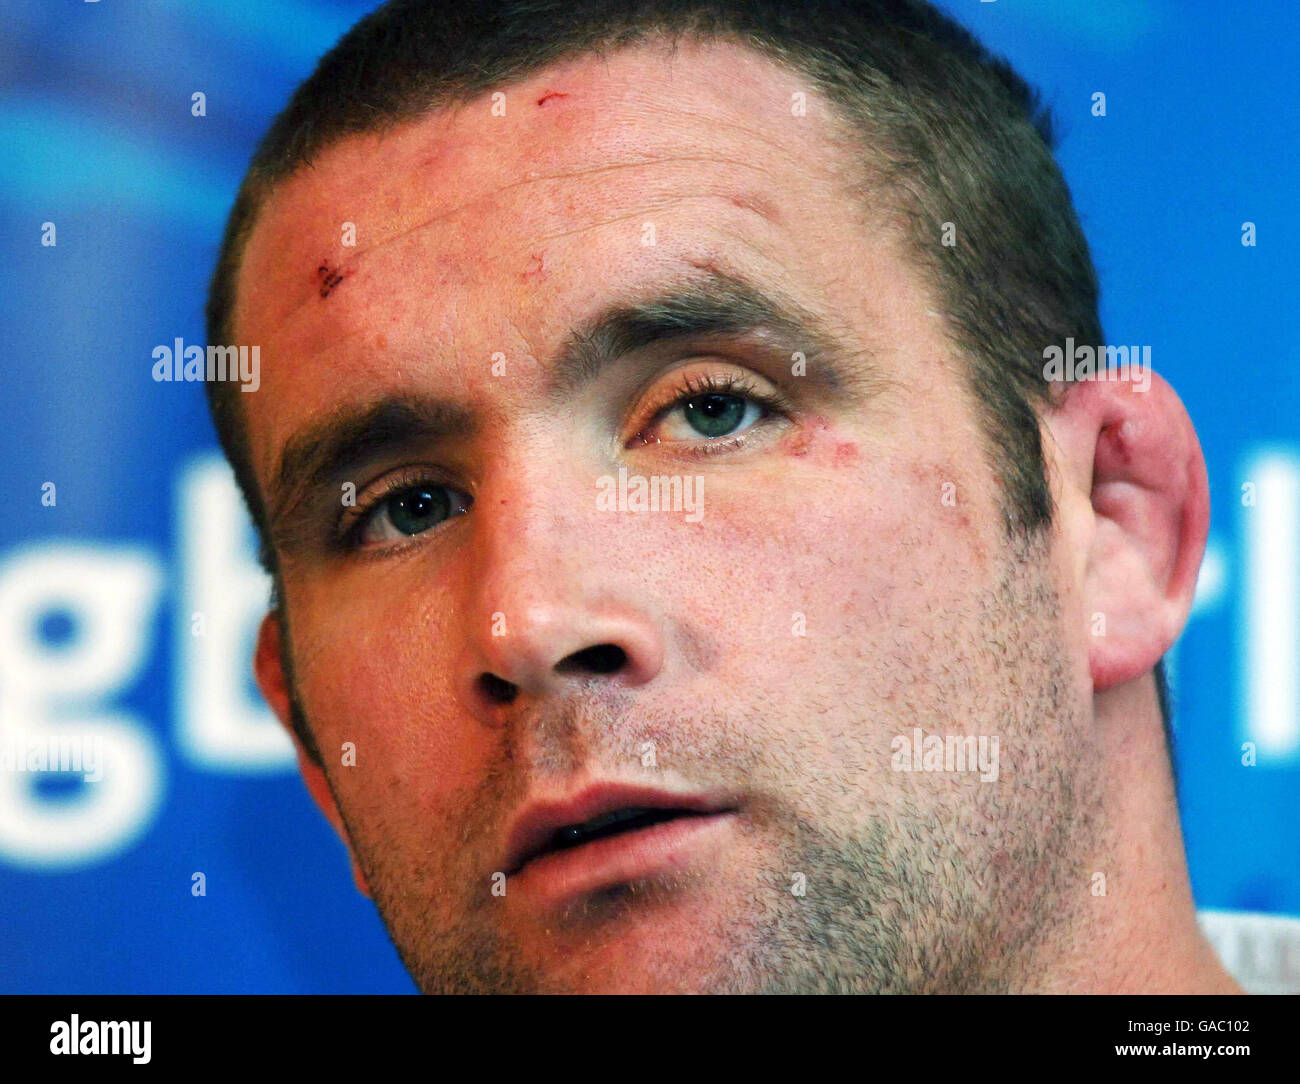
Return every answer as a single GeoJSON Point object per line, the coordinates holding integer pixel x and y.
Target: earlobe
{"type": "Point", "coordinates": [1132, 454]}
{"type": "Point", "coordinates": [272, 678]}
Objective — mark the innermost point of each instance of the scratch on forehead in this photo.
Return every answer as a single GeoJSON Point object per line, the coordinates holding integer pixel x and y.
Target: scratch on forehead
{"type": "Point", "coordinates": [329, 277]}
{"type": "Point", "coordinates": [325, 276]}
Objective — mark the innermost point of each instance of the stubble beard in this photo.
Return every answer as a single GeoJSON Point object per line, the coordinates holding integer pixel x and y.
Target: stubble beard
{"type": "Point", "coordinates": [939, 884]}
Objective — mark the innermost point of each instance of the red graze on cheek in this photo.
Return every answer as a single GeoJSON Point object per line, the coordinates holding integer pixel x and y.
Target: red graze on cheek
{"type": "Point", "coordinates": [817, 437]}
{"type": "Point", "coordinates": [550, 95]}
{"type": "Point", "coordinates": [948, 500]}
{"type": "Point", "coordinates": [797, 443]}
{"type": "Point", "coordinates": [846, 452]}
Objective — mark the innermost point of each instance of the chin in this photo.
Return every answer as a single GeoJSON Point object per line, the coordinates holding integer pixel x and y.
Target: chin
{"type": "Point", "coordinates": [643, 938]}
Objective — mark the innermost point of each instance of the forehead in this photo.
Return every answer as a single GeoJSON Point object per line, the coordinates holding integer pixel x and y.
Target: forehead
{"type": "Point", "coordinates": [499, 223]}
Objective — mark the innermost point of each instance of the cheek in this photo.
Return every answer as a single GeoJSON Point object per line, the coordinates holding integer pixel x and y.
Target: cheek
{"type": "Point", "coordinates": [376, 676]}
{"type": "Point", "coordinates": [863, 541]}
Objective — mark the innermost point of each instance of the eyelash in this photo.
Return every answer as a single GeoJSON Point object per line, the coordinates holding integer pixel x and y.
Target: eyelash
{"type": "Point", "coordinates": [731, 384]}
{"type": "Point", "coordinates": [358, 519]}
{"type": "Point", "coordinates": [349, 538]}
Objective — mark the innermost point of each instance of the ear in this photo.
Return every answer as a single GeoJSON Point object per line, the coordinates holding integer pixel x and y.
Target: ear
{"type": "Point", "coordinates": [272, 678]}
{"type": "Point", "coordinates": [1138, 502]}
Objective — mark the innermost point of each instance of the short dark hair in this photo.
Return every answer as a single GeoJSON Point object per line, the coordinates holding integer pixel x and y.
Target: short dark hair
{"type": "Point", "coordinates": [949, 133]}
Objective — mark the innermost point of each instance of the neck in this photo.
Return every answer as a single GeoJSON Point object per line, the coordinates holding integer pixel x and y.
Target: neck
{"type": "Point", "coordinates": [1141, 936]}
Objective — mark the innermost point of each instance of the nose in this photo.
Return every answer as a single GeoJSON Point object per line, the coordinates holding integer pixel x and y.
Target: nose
{"type": "Point", "coordinates": [557, 604]}
{"type": "Point", "coordinates": [548, 648]}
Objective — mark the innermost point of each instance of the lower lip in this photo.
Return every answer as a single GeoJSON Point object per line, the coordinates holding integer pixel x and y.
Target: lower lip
{"type": "Point", "coordinates": [662, 848]}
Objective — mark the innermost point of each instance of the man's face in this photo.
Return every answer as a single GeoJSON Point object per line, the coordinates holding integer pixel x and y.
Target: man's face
{"type": "Point", "coordinates": [837, 577]}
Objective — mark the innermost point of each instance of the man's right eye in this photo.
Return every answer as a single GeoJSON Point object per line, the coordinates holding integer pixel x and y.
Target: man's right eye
{"type": "Point", "coordinates": [409, 511]}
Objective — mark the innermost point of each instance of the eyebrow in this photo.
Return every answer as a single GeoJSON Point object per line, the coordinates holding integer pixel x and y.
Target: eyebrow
{"type": "Point", "coordinates": [331, 449]}
{"type": "Point", "coordinates": [711, 305]}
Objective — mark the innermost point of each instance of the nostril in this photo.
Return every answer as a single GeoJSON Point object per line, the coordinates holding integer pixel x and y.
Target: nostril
{"type": "Point", "coordinates": [601, 659]}
{"type": "Point", "coordinates": [498, 690]}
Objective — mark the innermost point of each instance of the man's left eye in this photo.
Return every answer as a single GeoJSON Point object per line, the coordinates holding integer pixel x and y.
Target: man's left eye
{"type": "Point", "coordinates": [710, 416]}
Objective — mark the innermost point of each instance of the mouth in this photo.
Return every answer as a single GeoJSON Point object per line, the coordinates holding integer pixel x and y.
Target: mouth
{"type": "Point", "coordinates": [605, 824]}
{"type": "Point", "coordinates": [632, 819]}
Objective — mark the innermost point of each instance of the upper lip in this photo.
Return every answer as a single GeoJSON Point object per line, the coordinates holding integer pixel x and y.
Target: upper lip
{"type": "Point", "coordinates": [537, 823]}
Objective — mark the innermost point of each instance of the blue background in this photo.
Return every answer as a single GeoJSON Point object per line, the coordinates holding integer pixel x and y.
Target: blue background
{"type": "Point", "coordinates": [97, 136]}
